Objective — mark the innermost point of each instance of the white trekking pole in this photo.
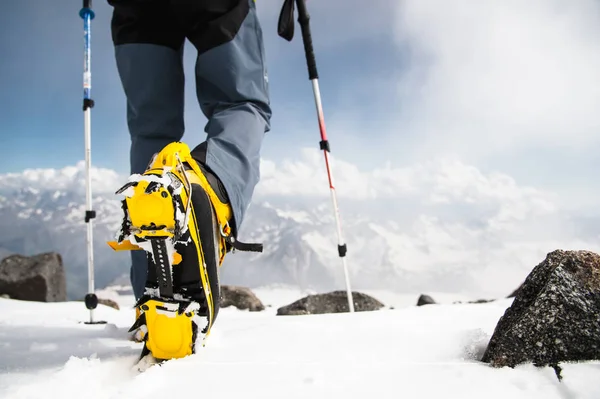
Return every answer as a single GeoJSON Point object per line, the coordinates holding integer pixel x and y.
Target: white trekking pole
{"type": "Point", "coordinates": [91, 300]}
{"type": "Point", "coordinates": [286, 31]}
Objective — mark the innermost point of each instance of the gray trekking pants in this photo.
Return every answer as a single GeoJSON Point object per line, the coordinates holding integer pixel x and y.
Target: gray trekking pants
{"type": "Point", "coordinates": [231, 86]}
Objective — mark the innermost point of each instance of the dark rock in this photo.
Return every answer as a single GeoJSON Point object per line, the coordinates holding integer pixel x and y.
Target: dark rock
{"type": "Point", "coordinates": [5, 296]}
{"type": "Point", "coordinates": [481, 301]}
{"type": "Point", "coordinates": [109, 303]}
{"type": "Point", "coordinates": [333, 302]}
{"type": "Point", "coordinates": [425, 300]}
{"type": "Point", "coordinates": [240, 297]}
{"type": "Point", "coordinates": [477, 301]}
{"type": "Point", "coordinates": [36, 278]}
{"type": "Point", "coordinates": [555, 315]}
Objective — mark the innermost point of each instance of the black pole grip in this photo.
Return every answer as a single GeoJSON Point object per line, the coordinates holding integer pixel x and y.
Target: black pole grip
{"type": "Point", "coordinates": [87, 3]}
{"type": "Point", "coordinates": [303, 19]}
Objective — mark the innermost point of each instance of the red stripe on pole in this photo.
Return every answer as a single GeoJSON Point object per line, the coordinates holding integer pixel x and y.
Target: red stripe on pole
{"type": "Point", "coordinates": [322, 124]}
{"type": "Point", "coordinates": [324, 138]}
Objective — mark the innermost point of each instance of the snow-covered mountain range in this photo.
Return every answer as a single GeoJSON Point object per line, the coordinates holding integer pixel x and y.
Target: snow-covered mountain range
{"type": "Point", "coordinates": [443, 226]}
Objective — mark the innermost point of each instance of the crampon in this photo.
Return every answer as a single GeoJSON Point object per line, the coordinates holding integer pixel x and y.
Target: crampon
{"type": "Point", "coordinates": [174, 214]}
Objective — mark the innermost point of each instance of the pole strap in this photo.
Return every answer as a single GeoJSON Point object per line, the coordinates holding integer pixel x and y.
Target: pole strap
{"type": "Point", "coordinates": [285, 26]}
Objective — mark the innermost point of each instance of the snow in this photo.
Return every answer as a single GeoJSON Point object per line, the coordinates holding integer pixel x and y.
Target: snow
{"type": "Point", "coordinates": [425, 352]}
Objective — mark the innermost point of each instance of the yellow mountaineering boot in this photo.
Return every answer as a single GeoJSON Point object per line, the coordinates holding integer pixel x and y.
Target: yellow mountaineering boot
{"type": "Point", "coordinates": [178, 212]}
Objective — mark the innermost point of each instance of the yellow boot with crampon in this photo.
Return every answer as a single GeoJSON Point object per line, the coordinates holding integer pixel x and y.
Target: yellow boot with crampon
{"type": "Point", "coordinates": [179, 213]}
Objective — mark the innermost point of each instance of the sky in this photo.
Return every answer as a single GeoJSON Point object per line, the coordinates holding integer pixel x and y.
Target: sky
{"type": "Point", "coordinates": [504, 87]}
{"type": "Point", "coordinates": [507, 86]}
{"type": "Point", "coordinates": [41, 80]}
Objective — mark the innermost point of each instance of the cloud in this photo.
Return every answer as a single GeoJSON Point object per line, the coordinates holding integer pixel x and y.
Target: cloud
{"type": "Point", "coordinates": [438, 181]}
{"type": "Point", "coordinates": [70, 179]}
{"type": "Point", "coordinates": [440, 225]}
{"type": "Point", "coordinates": [491, 76]}
{"type": "Point", "coordinates": [488, 81]}
{"type": "Point", "coordinates": [505, 86]}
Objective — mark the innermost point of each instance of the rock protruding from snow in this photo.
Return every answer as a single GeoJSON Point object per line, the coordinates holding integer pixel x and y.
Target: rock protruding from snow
{"type": "Point", "coordinates": [474, 302]}
{"type": "Point", "coordinates": [109, 302]}
{"type": "Point", "coordinates": [425, 300]}
{"type": "Point", "coordinates": [37, 278]}
{"type": "Point", "coordinates": [240, 297]}
{"type": "Point", "coordinates": [333, 302]}
{"type": "Point", "coordinates": [555, 315]}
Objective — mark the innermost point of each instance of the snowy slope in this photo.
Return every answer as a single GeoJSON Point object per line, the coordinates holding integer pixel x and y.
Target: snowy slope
{"type": "Point", "coordinates": [409, 352]}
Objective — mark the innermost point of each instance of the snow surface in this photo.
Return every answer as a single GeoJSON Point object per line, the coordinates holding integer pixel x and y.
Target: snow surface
{"type": "Point", "coordinates": [407, 352]}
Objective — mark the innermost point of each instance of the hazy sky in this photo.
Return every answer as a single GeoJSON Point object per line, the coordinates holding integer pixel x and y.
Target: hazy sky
{"type": "Point", "coordinates": [505, 86]}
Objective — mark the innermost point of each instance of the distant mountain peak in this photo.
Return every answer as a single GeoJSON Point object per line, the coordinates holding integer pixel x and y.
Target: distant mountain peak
{"type": "Point", "coordinates": [442, 226]}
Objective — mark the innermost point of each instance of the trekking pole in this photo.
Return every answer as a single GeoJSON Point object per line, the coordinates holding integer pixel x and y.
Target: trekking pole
{"type": "Point", "coordinates": [91, 301]}
{"type": "Point", "coordinates": [286, 31]}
